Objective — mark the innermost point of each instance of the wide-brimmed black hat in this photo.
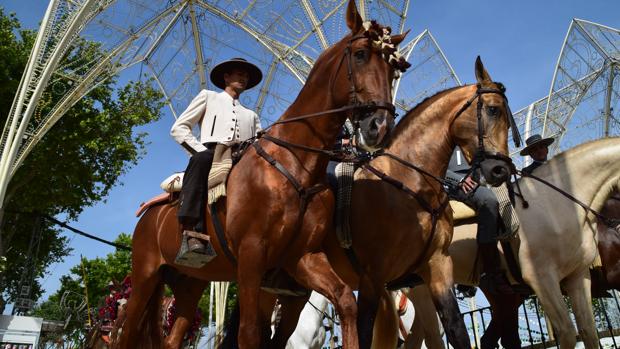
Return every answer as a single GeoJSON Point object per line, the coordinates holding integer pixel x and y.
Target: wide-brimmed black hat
{"type": "Point", "coordinates": [534, 141]}
{"type": "Point", "coordinates": [217, 73]}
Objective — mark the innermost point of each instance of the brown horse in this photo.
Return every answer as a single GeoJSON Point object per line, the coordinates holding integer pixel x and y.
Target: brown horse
{"type": "Point", "coordinates": [395, 233]}
{"type": "Point", "coordinates": [276, 209]}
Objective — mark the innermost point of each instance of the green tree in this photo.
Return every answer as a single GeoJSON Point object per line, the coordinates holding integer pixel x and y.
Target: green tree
{"type": "Point", "coordinates": [78, 161]}
{"type": "Point", "coordinates": [69, 303]}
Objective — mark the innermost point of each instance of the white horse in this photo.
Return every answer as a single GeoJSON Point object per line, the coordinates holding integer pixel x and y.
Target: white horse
{"type": "Point", "coordinates": [558, 237]}
{"type": "Point", "coordinates": [310, 332]}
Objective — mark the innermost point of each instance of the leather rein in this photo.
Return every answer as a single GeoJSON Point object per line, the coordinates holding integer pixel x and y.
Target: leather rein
{"type": "Point", "coordinates": [610, 222]}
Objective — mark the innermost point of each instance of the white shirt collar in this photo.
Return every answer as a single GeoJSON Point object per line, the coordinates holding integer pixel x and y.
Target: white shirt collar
{"type": "Point", "coordinates": [235, 102]}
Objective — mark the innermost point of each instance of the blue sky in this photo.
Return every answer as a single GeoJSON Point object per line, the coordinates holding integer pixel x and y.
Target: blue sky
{"type": "Point", "coordinates": [519, 42]}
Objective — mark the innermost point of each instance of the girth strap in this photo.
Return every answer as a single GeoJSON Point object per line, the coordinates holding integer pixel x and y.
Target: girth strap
{"type": "Point", "coordinates": [434, 212]}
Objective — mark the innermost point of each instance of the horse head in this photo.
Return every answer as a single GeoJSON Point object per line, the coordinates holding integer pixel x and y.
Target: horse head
{"type": "Point", "coordinates": [481, 126]}
{"type": "Point", "coordinates": [366, 63]}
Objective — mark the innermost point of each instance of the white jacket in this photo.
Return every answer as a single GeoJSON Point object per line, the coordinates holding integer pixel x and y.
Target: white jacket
{"type": "Point", "coordinates": [222, 119]}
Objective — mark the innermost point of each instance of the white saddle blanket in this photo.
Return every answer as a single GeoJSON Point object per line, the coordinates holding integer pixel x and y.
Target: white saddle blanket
{"type": "Point", "coordinates": [173, 183]}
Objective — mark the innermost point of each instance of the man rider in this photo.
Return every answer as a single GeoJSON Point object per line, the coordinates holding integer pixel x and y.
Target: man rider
{"type": "Point", "coordinates": [467, 189]}
{"type": "Point", "coordinates": [538, 149]}
{"type": "Point", "coordinates": [222, 119]}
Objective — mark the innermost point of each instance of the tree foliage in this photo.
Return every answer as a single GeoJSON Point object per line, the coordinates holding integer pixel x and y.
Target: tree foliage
{"type": "Point", "coordinates": [69, 303]}
{"type": "Point", "coordinates": [77, 162]}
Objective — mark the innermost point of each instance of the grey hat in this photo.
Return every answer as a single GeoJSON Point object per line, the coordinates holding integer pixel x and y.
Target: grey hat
{"type": "Point", "coordinates": [217, 73]}
{"type": "Point", "coordinates": [534, 141]}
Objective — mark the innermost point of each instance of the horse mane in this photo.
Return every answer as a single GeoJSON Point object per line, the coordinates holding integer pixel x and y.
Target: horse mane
{"type": "Point", "coordinates": [417, 110]}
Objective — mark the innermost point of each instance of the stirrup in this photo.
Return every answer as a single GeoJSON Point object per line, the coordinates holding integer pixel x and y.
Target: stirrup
{"type": "Point", "coordinates": [195, 259]}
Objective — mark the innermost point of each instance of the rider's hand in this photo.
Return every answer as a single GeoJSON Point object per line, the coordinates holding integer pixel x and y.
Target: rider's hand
{"type": "Point", "coordinates": [468, 184]}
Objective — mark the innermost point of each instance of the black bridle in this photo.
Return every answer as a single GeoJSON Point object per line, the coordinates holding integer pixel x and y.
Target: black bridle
{"type": "Point", "coordinates": [481, 153]}
{"type": "Point", "coordinates": [355, 105]}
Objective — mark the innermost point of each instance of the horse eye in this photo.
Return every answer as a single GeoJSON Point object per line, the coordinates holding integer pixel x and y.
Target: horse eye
{"type": "Point", "coordinates": [493, 111]}
{"type": "Point", "coordinates": [360, 55]}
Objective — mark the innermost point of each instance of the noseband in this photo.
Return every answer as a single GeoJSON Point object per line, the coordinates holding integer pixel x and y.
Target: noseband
{"type": "Point", "coordinates": [481, 154]}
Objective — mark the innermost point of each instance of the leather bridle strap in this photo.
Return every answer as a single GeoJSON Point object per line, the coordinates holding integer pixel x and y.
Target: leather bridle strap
{"type": "Point", "coordinates": [608, 221]}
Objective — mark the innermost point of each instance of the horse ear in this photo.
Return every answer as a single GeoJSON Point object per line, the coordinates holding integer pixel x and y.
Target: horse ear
{"type": "Point", "coordinates": [397, 39]}
{"type": "Point", "coordinates": [482, 75]}
{"type": "Point", "coordinates": [354, 20]}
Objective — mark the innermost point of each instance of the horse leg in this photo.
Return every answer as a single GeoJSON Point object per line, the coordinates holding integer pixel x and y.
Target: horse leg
{"type": "Point", "coordinates": [251, 268]}
{"type": "Point", "coordinates": [504, 321]}
{"type": "Point", "coordinates": [313, 271]}
{"type": "Point", "coordinates": [425, 327]}
{"type": "Point", "coordinates": [187, 292]}
{"type": "Point", "coordinates": [140, 306]}
{"type": "Point", "coordinates": [437, 274]}
{"type": "Point", "coordinates": [547, 287]}
{"type": "Point", "coordinates": [577, 286]}
{"type": "Point", "coordinates": [367, 303]}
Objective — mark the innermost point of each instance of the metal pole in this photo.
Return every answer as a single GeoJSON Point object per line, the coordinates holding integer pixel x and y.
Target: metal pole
{"type": "Point", "coordinates": [610, 85]}
{"type": "Point", "coordinates": [474, 321]}
{"type": "Point", "coordinates": [527, 324]}
{"type": "Point", "coordinates": [85, 289]}
{"type": "Point", "coordinates": [528, 130]}
{"type": "Point", "coordinates": [542, 333]}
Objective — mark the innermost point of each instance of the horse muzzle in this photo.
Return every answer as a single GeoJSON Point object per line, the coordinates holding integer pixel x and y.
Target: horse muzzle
{"type": "Point", "coordinates": [495, 171]}
{"type": "Point", "coordinates": [373, 130]}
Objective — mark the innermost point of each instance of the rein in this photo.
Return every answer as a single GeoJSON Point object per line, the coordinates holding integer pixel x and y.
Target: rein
{"type": "Point", "coordinates": [608, 221]}
{"type": "Point", "coordinates": [434, 212]}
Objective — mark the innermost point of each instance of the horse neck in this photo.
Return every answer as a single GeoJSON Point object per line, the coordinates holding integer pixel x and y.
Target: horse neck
{"type": "Point", "coordinates": [423, 136]}
{"type": "Point", "coordinates": [589, 172]}
{"type": "Point", "coordinates": [315, 96]}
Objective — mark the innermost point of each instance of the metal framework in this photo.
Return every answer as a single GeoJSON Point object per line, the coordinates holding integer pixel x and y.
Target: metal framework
{"type": "Point", "coordinates": [176, 42]}
{"type": "Point", "coordinates": [585, 92]}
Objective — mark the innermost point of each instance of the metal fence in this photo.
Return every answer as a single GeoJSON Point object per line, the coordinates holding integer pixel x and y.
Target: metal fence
{"type": "Point", "coordinates": [535, 330]}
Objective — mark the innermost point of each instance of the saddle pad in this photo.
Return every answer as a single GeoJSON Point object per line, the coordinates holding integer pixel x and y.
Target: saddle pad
{"type": "Point", "coordinates": [506, 211]}
{"type": "Point", "coordinates": [460, 211]}
{"type": "Point", "coordinates": [173, 183]}
{"type": "Point", "coordinates": [344, 174]}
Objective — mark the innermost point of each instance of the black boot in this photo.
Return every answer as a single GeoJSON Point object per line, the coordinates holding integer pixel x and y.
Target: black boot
{"type": "Point", "coordinates": [493, 278]}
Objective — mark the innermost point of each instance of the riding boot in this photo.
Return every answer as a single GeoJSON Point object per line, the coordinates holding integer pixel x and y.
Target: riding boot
{"type": "Point", "coordinates": [493, 278]}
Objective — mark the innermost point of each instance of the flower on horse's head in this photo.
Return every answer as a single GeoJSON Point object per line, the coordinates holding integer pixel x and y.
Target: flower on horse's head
{"type": "Point", "coordinates": [381, 40]}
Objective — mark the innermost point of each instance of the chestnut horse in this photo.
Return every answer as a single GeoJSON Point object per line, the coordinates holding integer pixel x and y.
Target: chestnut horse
{"type": "Point", "coordinates": [399, 232]}
{"type": "Point", "coordinates": [558, 234]}
{"type": "Point", "coordinates": [276, 207]}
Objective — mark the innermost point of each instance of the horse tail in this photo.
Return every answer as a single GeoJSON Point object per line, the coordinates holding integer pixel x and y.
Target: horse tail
{"type": "Point", "coordinates": [152, 328]}
{"type": "Point", "coordinates": [385, 331]}
{"type": "Point", "coordinates": [231, 329]}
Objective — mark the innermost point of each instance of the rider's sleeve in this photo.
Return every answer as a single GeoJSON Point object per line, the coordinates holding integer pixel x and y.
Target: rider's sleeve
{"type": "Point", "coordinates": [182, 129]}
{"type": "Point", "coordinates": [454, 177]}
{"type": "Point", "coordinates": [257, 126]}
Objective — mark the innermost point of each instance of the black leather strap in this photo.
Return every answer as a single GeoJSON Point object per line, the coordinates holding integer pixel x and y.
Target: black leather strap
{"type": "Point", "coordinates": [221, 236]}
{"type": "Point", "coordinates": [273, 162]}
